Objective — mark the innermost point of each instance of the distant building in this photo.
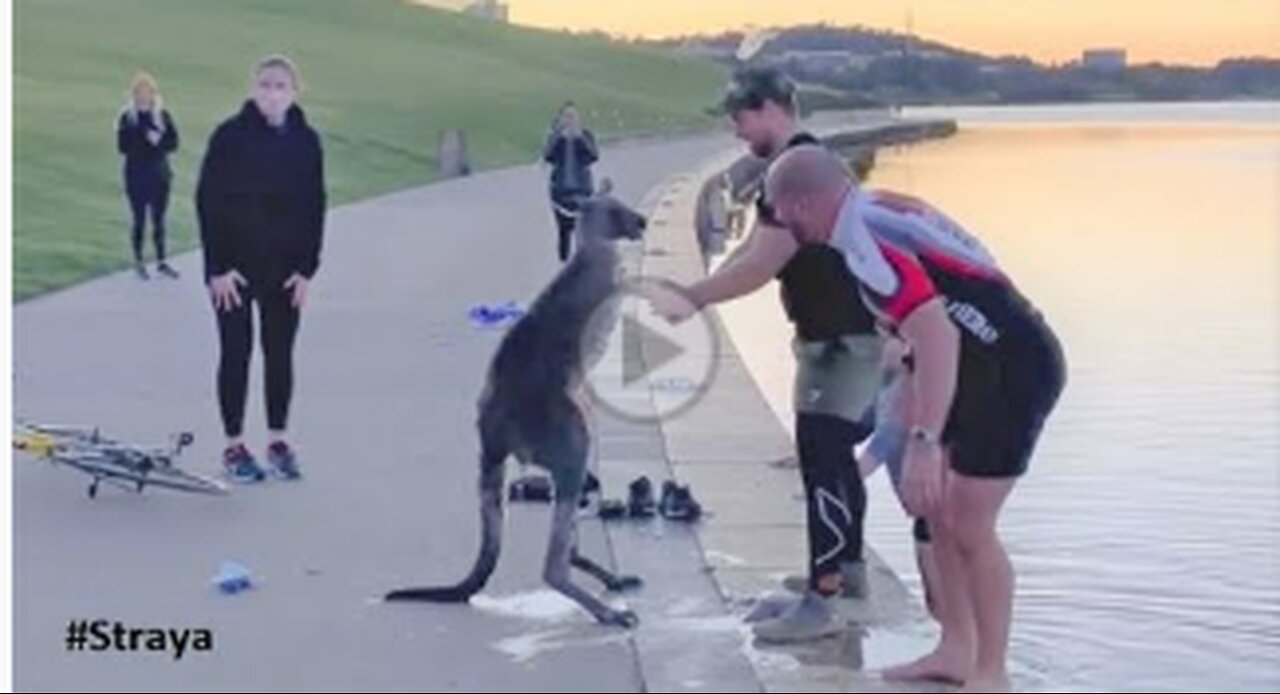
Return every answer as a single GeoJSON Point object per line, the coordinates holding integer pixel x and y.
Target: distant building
{"type": "Point", "coordinates": [491, 10]}
{"type": "Point", "coordinates": [1105, 59]}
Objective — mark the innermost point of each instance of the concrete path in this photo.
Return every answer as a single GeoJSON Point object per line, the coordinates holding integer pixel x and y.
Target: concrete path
{"type": "Point", "coordinates": [388, 371]}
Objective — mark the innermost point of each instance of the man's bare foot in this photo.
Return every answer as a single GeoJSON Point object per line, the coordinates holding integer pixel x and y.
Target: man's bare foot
{"type": "Point", "coordinates": [939, 666]}
{"type": "Point", "coordinates": [994, 683]}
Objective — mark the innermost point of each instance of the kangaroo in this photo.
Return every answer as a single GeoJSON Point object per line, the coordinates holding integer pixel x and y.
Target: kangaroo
{"type": "Point", "coordinates": [531, 408]}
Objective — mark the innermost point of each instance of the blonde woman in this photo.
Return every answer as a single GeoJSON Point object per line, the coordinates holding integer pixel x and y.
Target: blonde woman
{"type": "Point", "coordinates": [146, 135]}
{"type": "Point", "coordinates": [261, 207]}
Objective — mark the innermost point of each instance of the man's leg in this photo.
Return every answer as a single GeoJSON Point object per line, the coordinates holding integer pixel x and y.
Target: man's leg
{"type": "Point", "coordinates": [999, 410]}
{"type": "Point", "coordinates": [835, 390]}
{"type": "Point", "coordinates": [886, 448]}
{"type": "Point", "coordinates": [835, 497]}
{"type": "Point", "coordinates": [1031, 384]}
{"type": "Point", "coordinates": [952, 661]}
{"type": "Point", "coordinates": [926, 564]}
{"type": "Point", "coordinates": [836, 501]}
{"type": "Point", "coordinates": [973, 508]}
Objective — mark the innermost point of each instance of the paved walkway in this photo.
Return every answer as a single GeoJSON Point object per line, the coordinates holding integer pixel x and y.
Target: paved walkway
{"type": "Point", "coordinates": [388, 371]}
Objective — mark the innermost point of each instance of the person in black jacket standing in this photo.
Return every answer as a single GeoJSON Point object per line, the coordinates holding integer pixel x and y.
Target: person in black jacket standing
{"type": "Point", "coordinates": [261, 206]}
{"type": "Point", "coordinates": [146, 135]}
{"type": "Point", "coordinates": [570, 150]}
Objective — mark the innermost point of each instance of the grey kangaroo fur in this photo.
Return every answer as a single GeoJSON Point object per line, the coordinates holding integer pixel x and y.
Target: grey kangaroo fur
{"type": "Point", "coordinates": [530, 408]}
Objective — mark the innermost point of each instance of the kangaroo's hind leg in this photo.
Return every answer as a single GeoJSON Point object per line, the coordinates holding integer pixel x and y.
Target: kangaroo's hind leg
{"type": "Point", "coordinates": [564, 455]}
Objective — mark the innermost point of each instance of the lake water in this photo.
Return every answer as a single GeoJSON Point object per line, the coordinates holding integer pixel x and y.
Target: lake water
{"type": "Point", "coordinates": [1147, 535]}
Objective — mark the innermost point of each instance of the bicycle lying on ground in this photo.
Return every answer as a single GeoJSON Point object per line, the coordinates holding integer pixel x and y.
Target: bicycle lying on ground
{"type": "Point", "coordinates": [123, 465]}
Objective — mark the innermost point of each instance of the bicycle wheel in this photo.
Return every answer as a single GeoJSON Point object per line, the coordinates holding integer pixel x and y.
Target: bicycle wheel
{"type": "Point", "coordinates": [172, 477]}
{"type": "Point", "coordinates": [166, 476]}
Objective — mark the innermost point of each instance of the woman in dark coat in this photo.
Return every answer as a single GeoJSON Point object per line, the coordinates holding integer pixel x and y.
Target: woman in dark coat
{"type": "Point", "coordinates": [261, 207]}
{"type": "Point", "coordinates": [146, 135]}
{"type": "Point", "coordinates": [570, 150]}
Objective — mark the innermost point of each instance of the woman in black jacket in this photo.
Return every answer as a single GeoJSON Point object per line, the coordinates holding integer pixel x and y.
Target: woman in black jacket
{"type": "Point", "coordinates": [570, 150]}
{"type": "Point", "coordinates": [146, 135]}
{"type": "Point", "coordinates": [261, 206]}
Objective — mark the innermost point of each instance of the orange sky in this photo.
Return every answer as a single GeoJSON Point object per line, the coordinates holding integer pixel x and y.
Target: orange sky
{"type": "Point", "coordinates": [1189, 31]}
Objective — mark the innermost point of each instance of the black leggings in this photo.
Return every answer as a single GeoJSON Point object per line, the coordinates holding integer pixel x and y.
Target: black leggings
{"type": "Point", "coordinates": [278, 320]}
{"type": "Point", "coordinates": [153, 197]}
{"type": "Point", "coordinates": [834, 491]}
{"type": "Point", "coordinates": [565, 206]}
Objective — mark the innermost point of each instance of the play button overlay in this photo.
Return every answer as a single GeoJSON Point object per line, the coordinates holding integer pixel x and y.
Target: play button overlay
{"type": "Point", "coordinates": [649, 368]}
{"type": "Point", "coordinates": [644, 350]}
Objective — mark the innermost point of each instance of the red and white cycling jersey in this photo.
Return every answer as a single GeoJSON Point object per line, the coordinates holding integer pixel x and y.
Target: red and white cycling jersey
{"type": "Point", "coordinates": [905, 252]}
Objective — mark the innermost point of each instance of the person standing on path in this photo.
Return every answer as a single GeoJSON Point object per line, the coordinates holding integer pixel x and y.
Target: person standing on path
{"type": "Point", "coordinates": [838, 354]}
{"type": "Point", "coordinates": [571, 151]}
{"type": "Point", "coordinates": [146, 135]}
{"type": "Point", "coordinates": [261, 206]}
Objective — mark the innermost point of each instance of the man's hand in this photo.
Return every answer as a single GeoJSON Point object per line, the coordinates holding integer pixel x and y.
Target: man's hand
{"type": "Point", "coordinates": [669, 300]}
{"type": "Point", "coordinates": [922, 478]}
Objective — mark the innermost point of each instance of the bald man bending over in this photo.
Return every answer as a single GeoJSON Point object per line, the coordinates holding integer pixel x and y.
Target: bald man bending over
{"type": "Point", "coordinates": [987, 371]}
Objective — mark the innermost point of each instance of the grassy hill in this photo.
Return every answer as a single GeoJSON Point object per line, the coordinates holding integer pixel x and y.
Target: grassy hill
{"type": "Point", "coordinates": [381, 79]}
